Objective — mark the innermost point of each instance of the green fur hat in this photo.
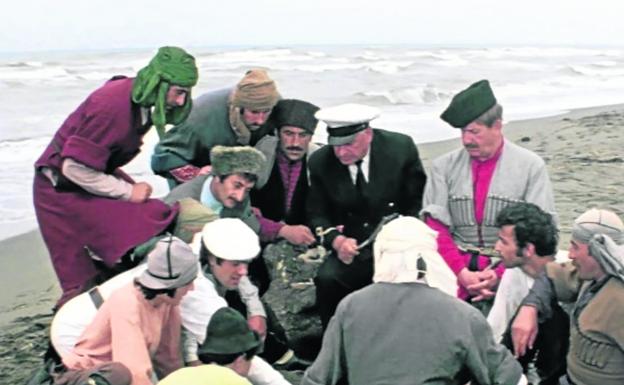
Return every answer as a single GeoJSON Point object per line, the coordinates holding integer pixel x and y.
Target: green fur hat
{"type": "Point", "coordinates": [236, 160]}
{"type": "Point", "coordinates": [469, 104]}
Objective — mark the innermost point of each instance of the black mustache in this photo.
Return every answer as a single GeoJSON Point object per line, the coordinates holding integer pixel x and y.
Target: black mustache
{"type": "Point", "coordinates": [471, 146]}
{"type": "Point", "coordinates": [294, 148]}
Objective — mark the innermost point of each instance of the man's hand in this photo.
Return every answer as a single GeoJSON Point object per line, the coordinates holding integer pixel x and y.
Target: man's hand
{"type": "Point", "coordinates": [524, 330]}
{"type": "Point", "coordinates": [257, 323]}
{"type": "Point", "coordinates": [297, 234]}
{"type": "Point", "coordinates": [468, 278]}
{"type": "Point", "coordinates": [141, 192]}
{"type": "Point", "coordinates": [484, 289]}
{"type": "Point", "coordinates": [346, 248]}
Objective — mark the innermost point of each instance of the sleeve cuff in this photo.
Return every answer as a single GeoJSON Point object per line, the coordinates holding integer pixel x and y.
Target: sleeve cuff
{"type": "Point", "coordinates": [86, 152]}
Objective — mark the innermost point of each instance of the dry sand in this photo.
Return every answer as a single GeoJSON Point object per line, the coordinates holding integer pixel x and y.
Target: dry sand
{"type": "Point", "coordinates": [583, 151]}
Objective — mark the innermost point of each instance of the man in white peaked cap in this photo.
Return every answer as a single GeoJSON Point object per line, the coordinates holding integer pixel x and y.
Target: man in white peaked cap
{"type": "Point", "coordinates": [363, 175]}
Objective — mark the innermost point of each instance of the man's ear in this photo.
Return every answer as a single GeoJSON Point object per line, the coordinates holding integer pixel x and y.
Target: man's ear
{"type": "Point", "coordinates": [528, 250]}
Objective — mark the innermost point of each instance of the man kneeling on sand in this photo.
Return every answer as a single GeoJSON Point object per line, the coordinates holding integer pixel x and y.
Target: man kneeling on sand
{"type": "Point", "coordinates": [594, 282]}
{"type": "Point", "coordinates": [135, 335]}
{"type": "Point", "coordinates": [229, 343]}
{"type": "Point", "coordinates": [407, 327]}
{"type": "Point", "coordinates": [227, 239]}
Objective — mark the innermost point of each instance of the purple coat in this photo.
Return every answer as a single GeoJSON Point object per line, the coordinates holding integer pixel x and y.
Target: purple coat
{"type": "Point", "coordinates": [104, 133]}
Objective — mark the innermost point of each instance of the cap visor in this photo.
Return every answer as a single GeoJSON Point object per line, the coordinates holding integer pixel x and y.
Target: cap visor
{"type": "Point", "coordinates": [340, 140]}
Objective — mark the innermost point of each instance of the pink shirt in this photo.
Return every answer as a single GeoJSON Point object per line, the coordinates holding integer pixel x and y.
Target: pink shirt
{"type": "Point", "coordinates": [482, 172]}
{"type": "Point", "coordinates": [133, 331]}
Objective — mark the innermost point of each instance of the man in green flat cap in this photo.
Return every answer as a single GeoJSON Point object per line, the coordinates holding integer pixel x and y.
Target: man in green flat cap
{"type": "Point", "coordinates": [229, 343]}
{"type": "Point", "coordinates": [89, 211]}
{"type": "Point", "coordinates": [468, 187]}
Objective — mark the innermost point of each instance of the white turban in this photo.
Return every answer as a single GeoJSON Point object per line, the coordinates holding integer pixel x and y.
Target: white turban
{"type": "Point", "coordinates": [397, 249]}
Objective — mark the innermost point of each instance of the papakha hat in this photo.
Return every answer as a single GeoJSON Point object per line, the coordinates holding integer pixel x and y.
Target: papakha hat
{"type": "Point", "coordinates": [345, 121]}
{"type": "Point", "coordinates": [230, 239]}
{"type": "Point", "coordinates": [227, 160]}
{"type": "Point", "coordinates": [171, 264]}
{"type": "Point", "coordinates": [228, 333]}
{"type": "Point", "coordinates": [297, 113]}
{"type": "Point", "coordinates": [469, 104]}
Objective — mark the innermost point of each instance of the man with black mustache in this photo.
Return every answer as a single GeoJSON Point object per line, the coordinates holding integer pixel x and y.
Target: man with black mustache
{"type": "Point", "coordinates": [283, 186]}
{"type": "Point", "coordinates": [468, 187]}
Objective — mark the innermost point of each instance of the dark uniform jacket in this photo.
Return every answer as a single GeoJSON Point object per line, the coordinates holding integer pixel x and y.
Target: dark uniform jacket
{"type": "Point", "coordinates": [396, 181]}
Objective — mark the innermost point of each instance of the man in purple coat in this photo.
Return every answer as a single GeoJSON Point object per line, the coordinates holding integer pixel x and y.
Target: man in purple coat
{"type": "Point", "coordinates": [89, 211]}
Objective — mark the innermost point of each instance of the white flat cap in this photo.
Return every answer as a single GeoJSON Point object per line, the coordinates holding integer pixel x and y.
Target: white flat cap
{"type": "Point", "coordinates": [346, 120]}
{"type": "Point", "coordinates": [230, 239]}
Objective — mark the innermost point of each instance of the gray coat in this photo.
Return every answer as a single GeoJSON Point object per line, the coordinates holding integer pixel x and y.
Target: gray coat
{"type": "Point", "coordinates": [409, 334]}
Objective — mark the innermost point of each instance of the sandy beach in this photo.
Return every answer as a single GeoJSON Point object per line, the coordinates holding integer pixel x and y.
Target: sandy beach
{"type": "Point", "coordinates": [583, 151]}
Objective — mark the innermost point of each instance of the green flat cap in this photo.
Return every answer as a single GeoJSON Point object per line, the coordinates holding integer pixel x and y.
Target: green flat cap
{"type": "Point", "coordinates": [228, 333]}
{"type": "Point", "coordinates": [469, 104]}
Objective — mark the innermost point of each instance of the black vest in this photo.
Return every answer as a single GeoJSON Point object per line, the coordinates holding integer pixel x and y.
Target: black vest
{"type": "Point", "coordinates": [270, 199]}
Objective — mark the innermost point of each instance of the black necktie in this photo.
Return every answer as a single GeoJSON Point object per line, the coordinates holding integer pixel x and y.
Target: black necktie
{"type": "Point", "coordinates": [360, 182]}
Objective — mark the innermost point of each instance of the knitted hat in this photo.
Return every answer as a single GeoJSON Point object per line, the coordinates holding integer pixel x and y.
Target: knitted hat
{"type": "Point", "coordinates": [228, 333]}
{"type": "Point", "coordinates": [345, 121]}
{"type": "Point", "coordinates": [170, 66]}
{"type": "Point", "coordinates": [230, 239]}
{"type": "Point", "coordinates": [236, 160]}
{"type": "Point", "coordinates": [256, 91]}
{"type": "Point", "coordinates": [598, 221]}
{"type": "Point", "coordinates": [469, 104]}
{"type": "Point", "coordinates": [297, 113]}
{"type": "Point", "coordinates": [171, 264]}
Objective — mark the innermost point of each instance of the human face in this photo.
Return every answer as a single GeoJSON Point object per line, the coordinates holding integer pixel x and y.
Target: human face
{"type": "Point", "coordinates": [253, 119]}
{"type": "Point", "coordinates": [588, 268]}
{"type": "Point", "coordinates": [179, 294]}
{"type": "Point", "coordinates": [482, 141]}
{"type": "Point", "coordinates": [176, 96]}
{"type": "Point", "coordinates": [294, 142]}
{"type": "Point", "coordinates": [508, 248]}
{"type": "Point", "coordinates": [350, 153]}
{"type": "Point", "coordinates": [232, 190]}
{"type": "Point", "coordinates": [228, 273]}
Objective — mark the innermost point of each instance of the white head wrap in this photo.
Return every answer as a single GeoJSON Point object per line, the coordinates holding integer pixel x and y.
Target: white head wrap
{"type": "Point", "coordinates": [397, 249]}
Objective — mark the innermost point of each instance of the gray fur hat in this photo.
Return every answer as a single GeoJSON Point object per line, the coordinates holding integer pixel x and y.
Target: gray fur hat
{"type": "Point", "coordinates": [236, 160]}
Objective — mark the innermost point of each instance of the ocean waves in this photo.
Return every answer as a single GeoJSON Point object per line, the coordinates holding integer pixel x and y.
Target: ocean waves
{"type": "Point", "coordinates": [411, 85]}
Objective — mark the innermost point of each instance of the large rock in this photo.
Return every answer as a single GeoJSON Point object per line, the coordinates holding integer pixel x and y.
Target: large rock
{"type": "Point", "coordinates": [292, 293]}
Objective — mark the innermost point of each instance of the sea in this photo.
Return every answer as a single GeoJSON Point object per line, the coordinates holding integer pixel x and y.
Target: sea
{"type": "Point", "coordinates": [411, 85]}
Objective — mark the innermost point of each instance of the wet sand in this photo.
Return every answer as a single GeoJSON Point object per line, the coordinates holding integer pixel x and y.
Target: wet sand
{"type": "Point", "coordinates": [582, 149]}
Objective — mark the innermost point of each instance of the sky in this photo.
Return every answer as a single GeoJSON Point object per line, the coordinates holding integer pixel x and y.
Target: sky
{"type": "Point", "coordinates": [48, 25]}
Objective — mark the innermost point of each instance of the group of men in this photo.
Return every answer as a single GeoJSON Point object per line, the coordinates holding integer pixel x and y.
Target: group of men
{"type": "Point", "coordinates": [244, 172]}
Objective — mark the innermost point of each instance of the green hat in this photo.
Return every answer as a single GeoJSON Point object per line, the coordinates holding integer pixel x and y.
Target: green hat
{"type": "Point", "coordinates": [170, 66]}
{"type": "Point", "coordinates": [236, 160]}
{"type": "Point", "coordinates": [296, 113]}
{"type": "Point", "coordinates": [228, 333]}
{"type": "Point", "coordinates": [469, 104]}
